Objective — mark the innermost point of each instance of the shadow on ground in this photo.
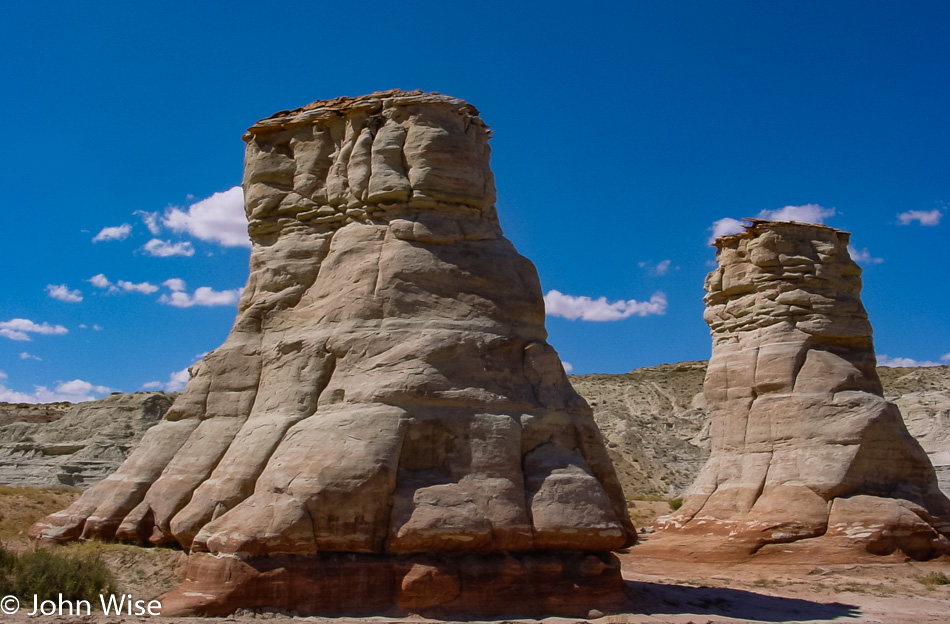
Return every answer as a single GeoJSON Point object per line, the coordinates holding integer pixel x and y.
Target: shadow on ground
{"type": "Point", "coordinates": [657, 599]}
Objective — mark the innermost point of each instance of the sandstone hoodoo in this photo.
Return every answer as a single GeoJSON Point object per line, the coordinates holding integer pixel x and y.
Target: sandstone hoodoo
{"type": "Point", "coordinates": [385, 429]}
{"type": "Point", "coordinates": [806, 452]}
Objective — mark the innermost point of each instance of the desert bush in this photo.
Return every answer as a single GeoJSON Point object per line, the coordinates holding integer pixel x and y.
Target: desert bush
{"type": "Point", "coordinates": [934, 579]}
{"type": "Point", "coordinates": [47, 574]}
{"type": "Point", "coordinates": [676, 503]}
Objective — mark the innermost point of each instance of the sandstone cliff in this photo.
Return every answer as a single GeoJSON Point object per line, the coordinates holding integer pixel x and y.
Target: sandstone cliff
{"type": "Point", "coordinates": [386, 411]}
{"type": "Point", "coordinates": [804, 444]}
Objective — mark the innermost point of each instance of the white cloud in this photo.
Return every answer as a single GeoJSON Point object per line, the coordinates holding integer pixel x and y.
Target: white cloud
{"type": "Point", "coordinates": [150, 219]}
{"type": "Point", "coordinates": [164, 249]}
{"type": "Point", "coordinates": [62, 293]}
{"type": "Point", "coordinates": [923, 217]}
{"type": "Point", "coordinates": [100, 281]}
{"type": "Point", "coordinates": [30, 356]}
{"type": "Point", "coordinates": [725, 227]}
{"type": "Point", "coordinates": [203, 296]}
{"type": "Point", "coordinates": [587, 309]}
{"type": "Point", "coordinates": [176, 382]}
{"type": "Point", "coordinates": [114, 233]}
{"type": "Point", "coordinates": [807, 213]}
{"type": "Point", "coordinates": [945, 358]}
{"type": "Point", "coordinates": [144, 287]}
{"type": "Point", "coordinates": [903, 362]}
{"type": "Point", "coordinates": [660, 268]}
{"type": "Point", "coordinates": [863, 256]}
{"type": "Point", "coordinates": [75, 391]}
{"type": "Point", "coordinates": [568, 367]}
{"type": "Point", "coordinates": [218, 219]}
{"type": "Point", "coordinates": [20, 329]}
{"type": "Point", "coordinates": [174, 284]}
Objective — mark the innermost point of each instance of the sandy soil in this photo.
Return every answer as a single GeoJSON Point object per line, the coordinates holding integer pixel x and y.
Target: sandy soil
{"type": "Point", "coordinates": [700, 593]}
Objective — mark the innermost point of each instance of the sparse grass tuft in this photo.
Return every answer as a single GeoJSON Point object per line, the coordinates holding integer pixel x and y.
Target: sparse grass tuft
{"type": "Point", "coordinates": [934, 579]}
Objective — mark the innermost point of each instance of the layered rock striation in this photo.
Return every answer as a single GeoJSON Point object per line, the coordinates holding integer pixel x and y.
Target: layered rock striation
{"type": "Point", "coordinates": [804, 445]}
{"type": "Point", "coordinates": [385, 428]}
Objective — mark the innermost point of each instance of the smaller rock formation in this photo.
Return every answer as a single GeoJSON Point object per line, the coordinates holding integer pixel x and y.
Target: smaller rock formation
{"type": "Point", "coordinates": [75, 445]}
{"type": "Point", "coordinates": [804, 445]}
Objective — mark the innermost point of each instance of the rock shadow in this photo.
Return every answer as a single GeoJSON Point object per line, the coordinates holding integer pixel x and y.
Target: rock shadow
{"type": "Point", "coordinates": [659, 599]}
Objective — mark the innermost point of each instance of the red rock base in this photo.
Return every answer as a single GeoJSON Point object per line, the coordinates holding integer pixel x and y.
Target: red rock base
{"type": "Point", "coordinates": [569, 584]}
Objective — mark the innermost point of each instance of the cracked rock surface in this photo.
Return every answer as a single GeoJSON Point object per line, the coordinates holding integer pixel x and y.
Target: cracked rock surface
{"type": "Point", "coordinates": [804, 444]}
{"type": "Point", "coordinates": [387, 388]}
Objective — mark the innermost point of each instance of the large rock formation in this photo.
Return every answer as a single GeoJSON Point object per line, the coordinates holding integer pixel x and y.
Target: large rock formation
{"type": "Point", "coordinates": [74, 445]}
{"type": "Point", "coordinates": [385, 428]}
{"type": "Point", "coordinates": [804, 445]}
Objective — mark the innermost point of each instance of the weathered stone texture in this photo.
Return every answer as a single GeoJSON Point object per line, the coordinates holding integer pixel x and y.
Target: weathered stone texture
{"type": "Point", "coordinates": [386, 388]}
{"type": "Point", "coordinates": [804, 445]}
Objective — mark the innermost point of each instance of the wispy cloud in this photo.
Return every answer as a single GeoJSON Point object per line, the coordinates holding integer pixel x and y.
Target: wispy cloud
{"type": "Point", "coordinates": [21, 328]}
{"type": "Point", "coordinates": [143, 287]}
{"type": "Point", "coordinates": [114, 233]}
{"type": "Point", "coordinates": [660, 268]}
{"type": "Point", "coordinates": [30, 356]}
{"type": "Point", "coordinates": [219, 219]}
{"type": "Point", "coordinates": [75, 391]}
{"type": "Point", "coordinates": [158, 248]}
{"type": "Point", "coordinates": [62, 293]}
{"type": "Point", "coordinates": [103, 282]}
{"type": "Point", "coordinates": [558, 304]}
{"type": "Point", "coordinates": [150, 219]}
{"type": "Point", "coordinates": [568, 367]}
{"type": "Point", "coordinates": [203, 296]}
{"type": "Point", "coordinates": [903, 362]}
{"type": "Point", "coordinates": [863, 256]}
{"type": "Point", "coordinates": [923, 217]}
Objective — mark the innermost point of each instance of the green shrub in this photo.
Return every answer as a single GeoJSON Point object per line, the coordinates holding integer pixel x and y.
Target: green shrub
{"type": "Point", "coordinates": [676, 503]}
{"type": "Point", "coordinates": [48, 574]}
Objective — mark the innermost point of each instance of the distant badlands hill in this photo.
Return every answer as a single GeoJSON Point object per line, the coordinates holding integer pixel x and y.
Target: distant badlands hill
{"type": "Point", "coordinates": [653, 420]}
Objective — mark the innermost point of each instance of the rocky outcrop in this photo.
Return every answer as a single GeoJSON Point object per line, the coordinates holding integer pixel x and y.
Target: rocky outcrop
{"type": "Point", "coordinates": [74, 445]}
{"type": "Point", "coordinates": [804, 445]}
{"type": "Point", "coordinates": [385, 419]}
{"type": "Point", "coordinates": [32, 412]}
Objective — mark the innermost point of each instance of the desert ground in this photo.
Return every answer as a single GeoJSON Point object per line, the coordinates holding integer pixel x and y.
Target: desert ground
{"type": "Point", "coordinates": [890, 590]}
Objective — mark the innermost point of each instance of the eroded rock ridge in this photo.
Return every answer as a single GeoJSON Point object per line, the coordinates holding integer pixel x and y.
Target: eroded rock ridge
{"type": "Point", "coordinates": [804, 445]}
{"type": "Point", "coordinates": [386, 418]}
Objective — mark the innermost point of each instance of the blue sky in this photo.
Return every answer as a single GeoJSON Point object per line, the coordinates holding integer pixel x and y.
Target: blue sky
{"type": "Point", "coordinates": [623, 132]}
